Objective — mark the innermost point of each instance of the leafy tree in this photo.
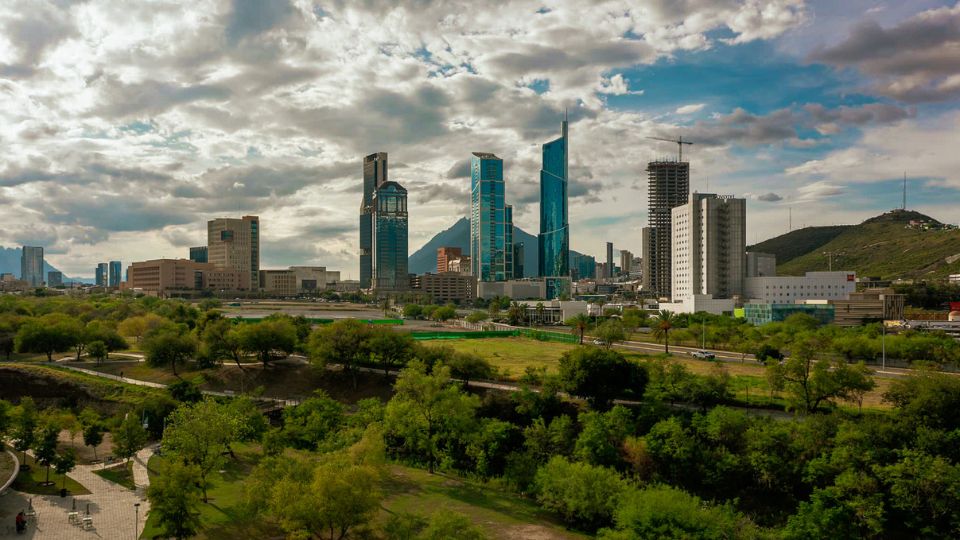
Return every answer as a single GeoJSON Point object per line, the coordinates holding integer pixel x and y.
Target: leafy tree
{"type": "Point", "coordinates": [137, 327]}
{"type": "Point", "coordinates": [199, 434]}
{"type": "Point", "coordinates": [924, 494]}
{"type": "Point", "coordinates": [477, 317]}
{"type": "Point", "coordinates": [25, 425]}
{"type": "Point", "coordinates": [444, 313]}
{"type": "Point", "coordinates": [517, 313]}
{"type": "Point", "coordinates": [489, 445]}
{"type": "Point", "coordinates": [544, 440]}
{"type": "Point", "coordinates": [412, 311]}
{"type": "Point", "coordinates": [602, 437]}
{"type": "Point", "coordinates": [5, 418]}
{"type": "Point", "coordinates": [582, 494]}
{"type": "Point", "coordinates": [811, 382]}
{"type": "Point", "coordinates": [129, 437]}
{"type": "Point", "coordinates": [312, 421]}
{"type": "Point", "coordinates": [600, 375]}
{"type": "Point", "coordinates": [389, 349]}
{"type": "Point", "coordinates": [48, 334]}
{"type": "Point", "coordinates": [98, 331]}
{"type": "Point", "coordinates": [46, 449]}
{"type": "Point", "coordinates": [343, 342]}
{"type": "Point", "coordinates": [175, 500]}
{"type": "Point", "coordinates": [185, 391]}
{"type": "Point", "coordinates": [427, 410]}
{"type": "Point", "coordinates": [445, 524]}
{"type": "Point", "coordinates": [468, 366]}
{"type": "Point", "coordinates": [927, 398]}
{"type": "Point", "coordinates": [169, 346]}
{"type": "Point", "coordinates": [579, 324]}
{"type": "Point", "coordinates": [64, 463]}
{"type": "Point", "coordinates": [221, 341]}
{"type": "Point", "coordinates": [766, 352]}
{"type": "Point", "coordinates": [610, 332]}
{"type": "Point", "coordinates": [98, 350]}
{"type": "Point", "coordinates": [93, 436]}
{"type": "Point", "coordinates": [268, 339]}
{"type": "Point", "coordinates": [663, 323]}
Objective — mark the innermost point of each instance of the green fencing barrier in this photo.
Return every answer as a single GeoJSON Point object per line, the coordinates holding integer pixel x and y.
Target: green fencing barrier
{"type": "Point", "coordinates": [393, 322]}
{"type": "Point", "coordinates": [538, 335]}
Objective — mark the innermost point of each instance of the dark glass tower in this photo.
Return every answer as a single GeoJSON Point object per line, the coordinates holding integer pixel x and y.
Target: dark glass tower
{"type": "Point", "coordinates": [554, 238]}
{"type": "Point", "coordinates": [389, 241]}
{"type": "Point", "coordinates": [488, 218]}
{"type": "Point", "coordinates": [374, 175]}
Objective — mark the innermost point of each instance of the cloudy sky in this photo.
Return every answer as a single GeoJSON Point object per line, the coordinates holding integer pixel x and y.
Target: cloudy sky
{"type": "Point", "coordinates": [125, 125]}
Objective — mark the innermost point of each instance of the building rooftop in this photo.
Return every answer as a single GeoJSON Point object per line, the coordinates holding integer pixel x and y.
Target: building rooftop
{"type": "Point", "coordinates": [485, 155]}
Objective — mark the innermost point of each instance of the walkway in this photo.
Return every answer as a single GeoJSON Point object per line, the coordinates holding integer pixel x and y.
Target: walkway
{"type": "Point", "coordinates": [110, 505]}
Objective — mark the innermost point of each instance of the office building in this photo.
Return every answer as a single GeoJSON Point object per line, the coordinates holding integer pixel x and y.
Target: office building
{"type": "Point", "coordinates": [554, 238]}
{"type": "Point", "coordinates": [609, 265]}
{"type": "Point", "coordinates": [668, 187]}
{"type": "Point", "coordinates": [234, 244]}
{"type": "Point", "coordinates": [54, 279]}
{"type": "Point", "coordinates": [761, 264]}
{"type": "Point", "coordinates": [759, 314]}
{"type": "Point", "coordinates": [374, 175]}
{"type": "Point", "coordinates": [872, 305]}
{"type": "Point", "coordinates": [708, 246]}
{"type": "Point", "coordinates": [488, 218]}
{"type": "Point", "coordinates": [448, 287]}
{"type": "Point", "coordinates": [445, 255]}
{"type": "Point", "coordinates": [198, 254]}
{"type": "Point", "coordinates": [101, 275]}
{"type": "Point", "coordinates": [626, 262]}
{"type": "Point", "coordinates": [793, 289]}
{"type": "Point", "coordinates": [646, 259]}
{"type": "Point", "coordinates": [602, 270]}
{"type": "Point", "coordinates": [388, 261]}
{"type": "Point", "coordinates": [298, 280]}
{"type": "Point", "coordinates": [114, 273]}
{"type": "Point", "coordinates": [518, 254]}
{"type": "Point", "coordinates": [31, 265]}
{"type": "Point", "coordinates": [553, 312]}
{"type": "Point", "coordinates": [182, 277]}
{"type": "Point", "coordinates": [508, 240]}
{"type": "Point", "coordinates": [517, 289]}
{"type": "Point", "coordinates": [585, 266]}
{"type": "Point", "coordinates": [460, 265]}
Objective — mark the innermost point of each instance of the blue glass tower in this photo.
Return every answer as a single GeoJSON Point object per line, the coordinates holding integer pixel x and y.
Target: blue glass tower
{"type": "Point", "coordinates": [389, 239]}
{"type": "Point", "coordinates": [488, 219]}
{"type": "Point", "coordinates": [115, 272]}
{"type": "Point", "coordinates": [554, 238]}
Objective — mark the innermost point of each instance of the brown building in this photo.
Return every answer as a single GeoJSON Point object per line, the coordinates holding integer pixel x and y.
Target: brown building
{"type": "Point", "coordinates": [298, 280]}
{"type": "Point", "coordinates": [234, 244]}
{"type": "Point", "coordinates": [460, 265]}
{"type": "Point", "coordinates": [161, 277]}
{"type": "Point", "coordinates": [445, 255]}
{"type": "Point", "coordinates": [871, 305]}
{"type": "Point", "coordinates": [447, 287]}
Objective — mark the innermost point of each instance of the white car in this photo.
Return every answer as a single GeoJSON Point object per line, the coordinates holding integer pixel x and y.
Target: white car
{"type": "Point", "coordinates": [599, 342]}
{"type": "Point", "coordinates": [703, 355]}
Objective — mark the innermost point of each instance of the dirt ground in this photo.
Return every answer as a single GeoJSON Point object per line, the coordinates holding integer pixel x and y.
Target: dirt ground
{"type": "Point", "coordinates": [85, 454]}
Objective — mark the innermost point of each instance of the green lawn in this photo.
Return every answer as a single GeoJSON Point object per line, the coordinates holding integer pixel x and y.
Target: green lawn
{"type": "Point", "coordinates": [32, 481]}
{"type": "Point", "coordinates": [6, 466]}
{"type": "Point", "coordinates": [513, 354]}
{"type": "Point", "coordinates": [121, 474]}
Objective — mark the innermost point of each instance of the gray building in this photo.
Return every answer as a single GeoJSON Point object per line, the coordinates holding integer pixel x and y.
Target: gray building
{"type": "Point", "coordinates": [374, 175]}
{"type": "Point", "coordinates": [54, 279]}
{"type": "Point", "coordinates": [31, 265]}
{"type": "Point", "coordinates": [101, 273]}
{"type": "Point", "coordinates": [761, 264]}
{"type": "Point", "coordinates": [668, 187]}
{"type": "Point", "coordinates": [609, 267]}
{"type": "Point", "coordinates": [646, 259]}
{"type": "Point", "coordinates": [709, 240]}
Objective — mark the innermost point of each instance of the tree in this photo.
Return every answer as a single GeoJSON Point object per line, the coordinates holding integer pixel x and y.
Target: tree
{"type": "Point", "coordinates": [582, 494]}
{"type": "Point", "coordinates": [412, 311]}
{"type": "Point", "coordinates": [313, 420]}
{"type": "Point", "coordinates": [444, 313]}
{"type": "Point", "coordinates": [175, 499]}
{"type": "Point", "coordinates": [221, 341]}
{"type": "Point", "coordinates": [388, 348]}
{"type": "Point", "coordinates": [98, 350]}
{"type": "Point", "coordinates": [343, 342]}
{"type": "Point", "coordinates": [601, 439]}
{"type": "Point", "coordinates": [93, 436]}
{"type": "Point", "coordinates": [268, 339]}
{"type": "Point", "coordinates": [129, 437]}
{"type": "Point", "coordinates": [579, 324]}
{"type": "Point", "coordinates": [662, 324]}
{"type": "Point", "coordinates": [98, 331]}
{"type": "Point", "coordinates": [185, 391]}
{"type": "Point", "coordinates": [610, 332]}
{"type": "Point", "coordinates": [600, 375]}
{"type": "Point", "coordinates": [539, 310]}
{"type": "Point", "coordinates": [46, 449]}
{"type": "Point", "coordinates": [64, 463]}
{"type": "Point", "coordinates": [445, 524]}
{"type": "Point", "coordinates": [199, 434]}
{"type": "Point", "coordinates": [477, 317]}
{"type": "Point", "coordinates": [466, 366]}
{"type": "Point", "coordinates": [137, 327]}
{"type": "Point", "coordinates": [811, 382]}
{"type": "Point", "coordinates": [49, 334]}
{"type": "Point", "coordinates": [169, 346]}
{"type": "Point", "coordinates": [517, 313]}
{"type": "Point", "coordinates": [427, 409]}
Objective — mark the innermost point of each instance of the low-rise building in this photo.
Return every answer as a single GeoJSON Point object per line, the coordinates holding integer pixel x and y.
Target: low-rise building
{"type": "Point", "coordinates": [518, 289]}
{"type": "Point", "coordinates": [552, 311]}
{"type": "Point", "coordinates": [758, 314]}
{"type": "Point", "coordinates": [871, 305]}
{"type": "Point", "coordinates": [447, 287]}
{"type": "Point", "coordinates": [792, 289]}
{"type": "Point", "coordinates": [165, 277]}
{"type": "Point", "coordinates": [298, 280]}
{"type": "Point", "coordinates": [697, 303]}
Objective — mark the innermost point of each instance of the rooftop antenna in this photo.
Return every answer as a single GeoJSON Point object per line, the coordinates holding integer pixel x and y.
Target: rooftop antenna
{"type": "Point", "coordinates": [680, 142]}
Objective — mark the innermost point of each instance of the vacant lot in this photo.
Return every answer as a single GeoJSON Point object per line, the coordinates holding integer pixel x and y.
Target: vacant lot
{"type": "Point", "coordinates": [512, 355]}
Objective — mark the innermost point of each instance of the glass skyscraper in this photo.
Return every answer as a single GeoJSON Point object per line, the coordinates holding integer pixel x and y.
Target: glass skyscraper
{"type": "Point", "coordinates": [554, 238]}
{"type": "Point", "coordinates": [389, 239]}
{"type": "Point", "coordinates": [488, 219]}
{"type": "Point", "coordinates": [115, 272]}
{"type": "Point", "coordinates": [374, 175]}
{"type": "Point", "coordinates": [31, 265]}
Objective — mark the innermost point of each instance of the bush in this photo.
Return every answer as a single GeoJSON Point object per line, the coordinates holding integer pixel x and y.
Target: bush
{"type": "Point", "coordinates": [582, 494]}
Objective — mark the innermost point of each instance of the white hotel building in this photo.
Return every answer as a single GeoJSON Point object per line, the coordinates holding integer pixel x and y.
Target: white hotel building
{"type": "Point", "coordinates": [793, 289]}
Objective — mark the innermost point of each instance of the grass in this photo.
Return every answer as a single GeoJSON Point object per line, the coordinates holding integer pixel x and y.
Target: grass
{"type": "Point", "coordinates": [120, 474]}
{"type": "Point", "coordinates": [6, 467]}
{"type": "Point", "coordinates": [514, 354]}
{"type": "Point", "coordinates": [33, 481]}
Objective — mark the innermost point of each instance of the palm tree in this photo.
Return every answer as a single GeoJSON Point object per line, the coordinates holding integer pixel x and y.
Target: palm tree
{"type": "Point", "coordinates": [540, 310]}
{"type": "Point", "coordinates": [579, 324]}
{"type": "Point", "coordinates": [517, 313]}
{"type": "Point", "coordinates": [662, 324]}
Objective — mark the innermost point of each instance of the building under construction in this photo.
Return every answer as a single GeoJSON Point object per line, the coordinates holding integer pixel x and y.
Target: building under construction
{"type": "Point", "coordinates": [668, 187]}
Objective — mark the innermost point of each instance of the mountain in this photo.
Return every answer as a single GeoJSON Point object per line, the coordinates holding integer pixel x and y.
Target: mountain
{"type": "Point", "coordinates": [425, 259]}
{"type": "Point", "coordinates": [885, 246]}
{"type": "Point", "coordinates": [10, 263]}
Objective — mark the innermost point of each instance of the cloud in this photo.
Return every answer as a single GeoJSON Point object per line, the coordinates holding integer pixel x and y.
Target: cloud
{"type": "Point", "coordinates": [460, 169]}
{"type": "Point", "coordinates": [691, 108]}
{"type": "Point", "coordinates": [617, 85]}
{"type": "Point", "coordinates": [253, 17]}
{"type": "Point", "coordinates": [769, 197]}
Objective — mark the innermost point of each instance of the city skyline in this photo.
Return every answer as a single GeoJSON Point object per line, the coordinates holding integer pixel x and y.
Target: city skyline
{"type": "Point", "coordinates": [123, 143]}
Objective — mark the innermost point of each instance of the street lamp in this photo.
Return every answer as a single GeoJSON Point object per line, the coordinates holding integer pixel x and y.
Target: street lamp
{"type": "Point", "coordinates": [136, 522]}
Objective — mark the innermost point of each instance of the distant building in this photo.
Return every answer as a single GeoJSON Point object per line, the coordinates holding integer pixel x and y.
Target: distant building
{"type": "Point", "coordinates": [626, 262]}
{"type": "Point", "coordinates": [519, 272]}
{"type": "Point", "coordinates": [759, 314]}
{"type": "Point", "coordinates": [449, 287]}
{"type": "Point", "coordinates": [163, 277]}
{"type": "Point", "coordinates": [54, 279]}
{"type": "Point", "coordinates": [31, 265]}
{"type": "Point", "coordinates": [552, 311]}
{"type": "Point", "coordinates": [668, 187]}
{"type": "Point", "coordinates": [696, 303]}
{"type": "Point", "coordinates": [389, 248]}
{"type": "Point", "coordinates": [460, 265]}
{"type": "Point", "coordinates": [585, 266]}
{"type": "Point", "coordinates": [445, 255]}
{"type": "Point", "coordinates": [508, 240]}
{"type": "Point", "coordinates": [761, 264]}
{"type": "Point", "coordinates": [554, 237]}
{"type": "Point", "coordinates": [488, 218]}
{"type": "Point", "coordinates": [374, 175]}
{"type": "Point", "coordinates": [646, 259]}
{"type": "Point", "coordinates": [608, 273]}
{"type": "Point", "coordinates": [517, 289]}
{"type": "Point", "coordinates": [113, 276]}
{"type": "Point", "coordinates": [102, 275]}
{"type": "Point", "coordinates": [872, 305]}
{"type": "Point", "coordinates": [708, 246]}
{"type": "Point", "coordinates": [298, 280]}
{"type": "Point", "coordinates": [234, 244]}
{"type": "Point", "coordinates": [198, 254]}
{"type": "Point", "coordinates": [792, 289]}
{"type": "Point", "coordinates": [953, 278]}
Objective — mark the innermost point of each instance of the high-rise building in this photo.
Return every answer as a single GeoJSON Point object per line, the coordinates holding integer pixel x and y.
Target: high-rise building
{"type": "Point", "coordinates": [646, 259]}
{"type": "Point", "coordinates": [554, 238]}
{"type": "Point", "coordinates": [668, 187]}
{"type": "Point", "coordinates": [31, 265]}
{"type": "Point", "coordinates": [518, 266]}
{"type": "Point", "coordinates": [488, 218]}
{"type": "Point", "coordinates": [445, 255]}
{"type": "Point", "coordinates": [115, 271]}
{"type": "Point", "coordinates": [508, 240]}
{"type": "Point", "coordinates": [234, 244]}
{"type": "Point", "coordinates": [609, 267]}
{"type": "Point", "coordinates": [198, 254]}
{"type": "Point", "coordinates": [626, 262]}
{"type": "Point", "coordinates": [709, 240]}
{"type": "Point", "coordinates": [374, 175]}
{"type": "Point", "coordinates": [389, 247]}
{"type": "Point", "coordinates": [54, 278]}
{"type": "Point", "coordinates": [585, 266]}
{"type": "Point", "coordinates": [102, 275]}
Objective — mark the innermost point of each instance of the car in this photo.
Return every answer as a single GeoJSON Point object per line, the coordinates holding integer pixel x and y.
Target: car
{"type": "Point", "coordinates": [599, 342]}
{"type": "Point", "coordinates": [703, 355]}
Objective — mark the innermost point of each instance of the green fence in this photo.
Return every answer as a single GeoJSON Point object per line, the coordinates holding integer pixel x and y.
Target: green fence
{"type": "Point", "coordinates": [393, 322]}
{"type": "Point", "coordinates": [520, 332]}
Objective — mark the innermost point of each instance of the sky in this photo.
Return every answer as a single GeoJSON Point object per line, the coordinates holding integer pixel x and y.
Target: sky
{"type": "Point", "coordinates": [125, 125]}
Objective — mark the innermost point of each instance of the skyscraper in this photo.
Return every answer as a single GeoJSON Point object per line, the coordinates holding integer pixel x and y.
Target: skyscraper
{"type": "Point", "coordinates": [709, 243]}
{"type": "Point", "coordinates": [554, 238]}
{"type": "Point", "coordinates": [518, 264]}
{"type": "Point", "coordinates": [445, 255]}
{"type": "Point", "coordinates": [508, 240]}
{"type": "Point", "coordinates": [609, 267]}
{"type": "Point", "coordinates": [374, 175]}
{"type": "Point", "coordinates": [488, 218]}
{"type": "Point", "coordinates": [389, 240]}
{"type": "Point", "coordinates": [234, 244]}
{"type": "Point", "coordinates": [626, 262]}
{"type": "Point", "coordinates": [101, 274]}
{"type": "Point", "coordinates": [31, 265]}
{"type": "Point", "coordinates": [116, 270]}
{"type": "Point", "coordinates": [668, 187]}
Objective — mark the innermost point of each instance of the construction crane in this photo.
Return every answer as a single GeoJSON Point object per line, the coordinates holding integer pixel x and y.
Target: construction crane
{"type": "Point", "coordinates": [680, 142]}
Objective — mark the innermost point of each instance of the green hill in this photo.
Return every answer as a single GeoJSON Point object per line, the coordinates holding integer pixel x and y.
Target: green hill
{"type": "Point", "coordinates": [885, 246]}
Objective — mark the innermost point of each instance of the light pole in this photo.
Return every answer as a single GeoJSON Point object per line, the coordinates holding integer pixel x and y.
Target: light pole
{"type": "Point", "coordinates": [136, 522]}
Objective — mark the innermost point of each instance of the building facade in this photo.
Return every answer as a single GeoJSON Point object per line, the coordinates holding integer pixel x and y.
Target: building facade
{"type": "Point", "coordinates": [519, 268]}
{"type": "Point", "coordinates": [198, 254]}
{"type": "Point", "coordinates": [162, 277]}
{"type": "Point", "coordinates": [508, 240]}
{"type": "Point", "coordinates": [54, 279]}
{"type": "Point", "coordinates": [585, 266]}
{"type": "Point", "coordinates": [449, 287]}
{"type": "Point", "coordinates": [488, 219]}
{"type": "Point", "coordinates": [759, 314]}
{"type": "Point", "coordinates": [445, 255]}
{"type": "Point", "coordinates": [626, 262]}
{"type": "Point", "coordinates": [668, 187]}
{"type": "Point", "coordinates": [792, 289]}
{"type": "Point", "coordinates": [872, 305]}
{"type": "Point", "coordinates": [374, 175]}
{"type": "Point", "coordinates": [554, 237]}
{"type": "Point", "coordinates": [115, 273]}
{"type": "Point", "coordinates": [102, 275]}
{"type": "Point", "coordinates": [708, 246]}
{"type": "Point", "coordinates": [31, 265]}
{"type": "Point", "coordinates": [298, 280]}
{"type": "Point", "coordinates": [646, 259]}
{"type": "Point", "coordinates": [389, 248]}
{"type": "Point", "coordinates": [234, 244]}
{"type": "Point", "coordinates": [514, 288]}
{"type": "Point", "coordinates": [609, 267]}
{"type": "Point", "coordinates": [761, 264]}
